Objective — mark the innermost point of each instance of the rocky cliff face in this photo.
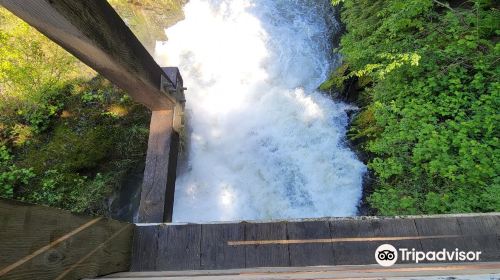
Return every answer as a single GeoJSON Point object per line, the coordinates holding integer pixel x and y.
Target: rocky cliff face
{"type": "Point", "coordinates": [148, 18]}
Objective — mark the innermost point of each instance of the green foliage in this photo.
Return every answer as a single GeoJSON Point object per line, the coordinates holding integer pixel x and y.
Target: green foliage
{"type": "Point", "coordinates": [87, 151]}
{"type": "Point", "coordinates": [30, 64]}
{"type": "Point", "coordinates": [71, 191]}
{"type": "Point", "coordinates": [148, 18]}
{"type": "Point", "coordinates": [69, 149]}
{"type": "Point", "coordinates": [66, 139]}
{"type": "Point", "coordinates": [431, 126]}
{"type": "Point", "coordinates": [337, 79]}
{"type": "Point", "coordinates": [33, 71]}
{"type": "Point", "coordinates": [12, 177]}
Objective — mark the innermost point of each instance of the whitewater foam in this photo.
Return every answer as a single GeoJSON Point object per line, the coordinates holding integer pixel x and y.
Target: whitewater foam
{"type": "Point", "coordinates": [262, 143]}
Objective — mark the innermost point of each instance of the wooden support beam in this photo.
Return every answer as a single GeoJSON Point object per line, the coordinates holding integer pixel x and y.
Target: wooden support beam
{"type": "Point", "coordinates": [158, 187]}
{"type": "Point", "coordinates": [93, 32]}
{"type": "Point", "coordinates": [157, 193]}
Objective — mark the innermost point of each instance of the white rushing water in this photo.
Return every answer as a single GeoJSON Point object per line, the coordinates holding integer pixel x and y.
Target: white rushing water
{"type": "Point", "coordinates": [262, 143]}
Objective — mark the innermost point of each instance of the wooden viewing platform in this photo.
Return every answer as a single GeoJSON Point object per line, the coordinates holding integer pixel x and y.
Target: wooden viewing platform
{"type": "Point", "coordinates": [38, 242]}
{"type": "Point", "coordinates": [338, 241]}
{"type": "Point", "coordinates": [447, 271]}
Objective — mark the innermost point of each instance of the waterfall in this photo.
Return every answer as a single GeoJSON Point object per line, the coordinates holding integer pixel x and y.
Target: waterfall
{"type": "Point", "coordinates": [262, 143]}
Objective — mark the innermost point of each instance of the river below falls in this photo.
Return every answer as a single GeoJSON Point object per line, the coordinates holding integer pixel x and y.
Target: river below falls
{"type": "Point", "coordinates": [261, 142]}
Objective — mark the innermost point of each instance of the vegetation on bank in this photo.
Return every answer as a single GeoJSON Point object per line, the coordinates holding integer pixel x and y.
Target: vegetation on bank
{"type": "Point", "coordinates": [67, 136]}
{"type": "Point", "coordinates": [425, 74]}
{"type": "Point", "coordinates": [149, 18]}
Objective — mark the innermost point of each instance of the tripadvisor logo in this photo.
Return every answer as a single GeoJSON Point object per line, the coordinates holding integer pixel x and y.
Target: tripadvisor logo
{"type": "Point", "coordinates": [387, 255]}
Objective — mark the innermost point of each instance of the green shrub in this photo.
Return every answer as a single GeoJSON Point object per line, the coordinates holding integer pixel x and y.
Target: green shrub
{"type": "Point", "coordinates": [12, 177]}
{"type": "Point", "coordinates": [67, 139]}
{"type": "Point", "coordinates": [69, 149]}
{"type": "Point", "coordinates": [431, 123]}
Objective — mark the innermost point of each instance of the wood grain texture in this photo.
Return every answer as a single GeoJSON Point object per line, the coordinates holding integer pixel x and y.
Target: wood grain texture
{"type": "Point", "coordinates": [93, 32]}
{"type": "Point", "coordinates": [310, 254]}
{"type": "Point", "coordinates": [40, 242]}
{"type": "Point", "coordinates": [154, 187]}
{"type": "Point", "coordinates": [173, 155]}
{"type": "Point", "coordinates": [215, 252]}
{"type": "Point", "coordinates": [179, 247]}
{"type": "Point", "coordinates": [437, 271]}
{"type": "Point", "coordinates": [359, 253]}
{"type": "Point", "coordinates": [481, 234]}
{"type": "Point", "coordinates": [267, 255]}
{"type": "Point", "coordinates": [145, 248]}
{"type": "Point", "coordinates": [320, 242]}
{"type": "Point", "coordinates": [437, 226]}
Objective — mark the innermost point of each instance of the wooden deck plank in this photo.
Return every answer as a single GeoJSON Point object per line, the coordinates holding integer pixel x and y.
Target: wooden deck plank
{"type": "Point", "coordinates": [363, 252]}
{"type": "Point", "coordinates": [439, 226]}
{"type": "Point", "coordinates": [179, 247]}
{"type": "Point", "coordinates": [399, 272]}
{"type": "Point", "coordinates": [481, 234]}
{"type": "Point", "coordinates": [215, 251]}
{"type": "Point", "coordinates": [483, 225]}
{"type": "Point", "coordinates": [145, 247]}
{"type": "Point", "coordinates": [55, 244]}
{"type": "Point", "coordinates": [307, 243]}
{"type": "Point", "coordinates": [104, 248]}
{"type": "Point", "coordinates": [23, 221]}
{"type": "Point", "coordinates": [310, 253]}
{"type": "Point", "coordinates": [266, 255]}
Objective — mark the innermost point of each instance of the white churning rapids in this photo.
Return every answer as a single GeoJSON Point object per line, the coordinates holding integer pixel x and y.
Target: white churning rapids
{"type": "Point", "coordinates": [262, 143]}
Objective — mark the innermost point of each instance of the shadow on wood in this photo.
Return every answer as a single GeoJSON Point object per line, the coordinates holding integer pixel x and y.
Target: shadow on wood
{"type": "Point", "coordinates": [38, 242]}
{"type": "Point", "coordinates": [154, 186]}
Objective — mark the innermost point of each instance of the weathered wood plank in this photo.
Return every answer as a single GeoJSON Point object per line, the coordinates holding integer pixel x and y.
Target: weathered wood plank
{"type": "Point", "coordinates": [310, 253]}
{"type": "Point", "coordinates": [179, 247]}
{"type": "Point", "coordinates": [479, 225]}
{"type": "Point", "coordinates": [481, 234]}
{"type": "Point", "coordinates": [310, 243]}
{"type": "Point", "coordinates": [436, 227]}
{"type": "Point", "coordinates": [54, 244]}
{"type": "Point", "coordinates": [111, 249]}
{"type": "Point", "coordinates": [145, 248]}
{"type": "Point", "coordinates": [266, 255]}
{"type": "Point", "coordinates": [156, 173]}
{"type": "Point", "coordinates": [363, 252]}
{"type": "Point", "coordinates": [20, 222]}
{"type": "Point", "coordinates": [463, 271]}
{"type": "Point", "coordinates": [171, 177]}
{"type": "Point", "coordinates": [215, 252]}
{"type": "Point", "coordinates": [95, 33]}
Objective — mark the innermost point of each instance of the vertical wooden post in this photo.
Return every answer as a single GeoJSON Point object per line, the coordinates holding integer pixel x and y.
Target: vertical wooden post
{"type": "Point", "coordinates": [159, 173]}
{"type": "Point", "coordinates": [158, 187]}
